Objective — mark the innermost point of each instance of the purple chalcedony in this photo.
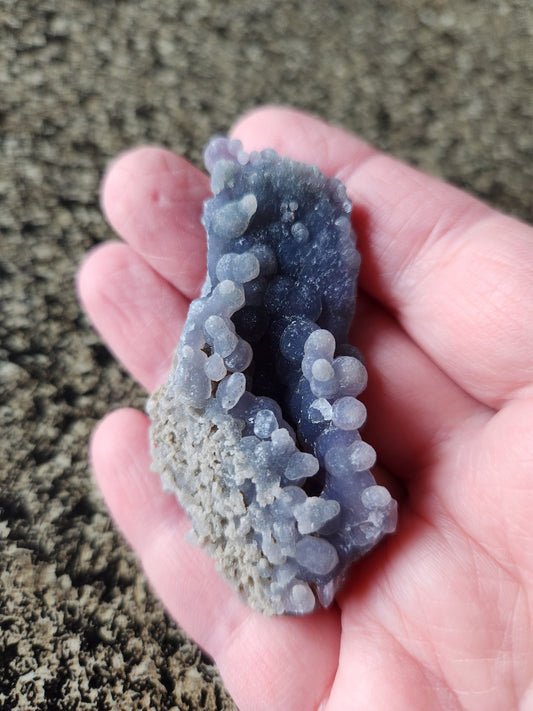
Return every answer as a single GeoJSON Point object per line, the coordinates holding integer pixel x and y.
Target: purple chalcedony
{"type": "Point", "coordinates": [257, 428]}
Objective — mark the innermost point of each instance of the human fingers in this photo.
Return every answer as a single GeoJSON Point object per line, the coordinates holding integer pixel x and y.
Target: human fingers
{"type": "Point", "coordinates": [136, 311]}
{"type": "Point", "coordinates": [282, 663]}
{"type": "Point", "coordinates": [153, 199]}
{"type": "Point", "coordinates": [456, 273]}
{"type": "Point", "coordinates": [140, 316]}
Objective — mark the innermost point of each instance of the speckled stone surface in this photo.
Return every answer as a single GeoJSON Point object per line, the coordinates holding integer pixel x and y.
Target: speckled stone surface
{"type": "Point", "coordinates": [445, 84]}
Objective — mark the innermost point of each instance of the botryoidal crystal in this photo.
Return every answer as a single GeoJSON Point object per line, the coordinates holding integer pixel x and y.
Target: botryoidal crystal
{"type": "Point", "coordinates": [256, 429]}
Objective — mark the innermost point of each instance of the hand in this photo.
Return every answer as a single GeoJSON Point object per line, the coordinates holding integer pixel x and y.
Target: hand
{"type": "Point", "coordinates": [440, 615]}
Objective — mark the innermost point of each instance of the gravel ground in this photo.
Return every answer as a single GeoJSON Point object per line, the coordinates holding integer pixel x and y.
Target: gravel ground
{"type": "Point", "coordinates": [444, 84]}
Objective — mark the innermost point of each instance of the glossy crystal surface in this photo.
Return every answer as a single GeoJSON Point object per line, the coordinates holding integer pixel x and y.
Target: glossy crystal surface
{"type": "Point", "coordinates": [257, 428]}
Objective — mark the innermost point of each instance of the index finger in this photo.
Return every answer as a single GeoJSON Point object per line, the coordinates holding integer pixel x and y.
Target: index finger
{"type": "Point", "coordinates": [153, 200]}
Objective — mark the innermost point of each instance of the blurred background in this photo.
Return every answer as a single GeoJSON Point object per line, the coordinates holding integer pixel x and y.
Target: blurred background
{"type": "Point", "coordinates": [445, 85]}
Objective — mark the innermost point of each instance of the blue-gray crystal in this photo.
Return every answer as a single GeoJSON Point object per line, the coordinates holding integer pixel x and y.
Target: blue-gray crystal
{"type": "Point", "coordinates": [257, 428]}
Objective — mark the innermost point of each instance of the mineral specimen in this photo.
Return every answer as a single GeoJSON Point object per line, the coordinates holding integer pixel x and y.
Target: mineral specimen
{"type": "Point", "coordinates": [256, 429]}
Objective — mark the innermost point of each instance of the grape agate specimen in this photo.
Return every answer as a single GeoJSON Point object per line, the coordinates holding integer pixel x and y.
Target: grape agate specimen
{"type": "Point", "coordinates": [256, 429]}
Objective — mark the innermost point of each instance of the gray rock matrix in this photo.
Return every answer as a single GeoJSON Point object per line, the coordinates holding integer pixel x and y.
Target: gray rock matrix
{"type": "Point", "coordinates": [256, 429]}
{"type": "Point", "coordinates": [444, 85]}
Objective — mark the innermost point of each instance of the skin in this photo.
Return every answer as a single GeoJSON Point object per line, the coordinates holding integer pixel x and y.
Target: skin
{"type": "Point", "coordinates": [439, 616]}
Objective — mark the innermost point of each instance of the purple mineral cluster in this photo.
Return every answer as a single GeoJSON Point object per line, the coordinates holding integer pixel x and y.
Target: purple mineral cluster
{"type": "Point", "coordinates": [257, 428]}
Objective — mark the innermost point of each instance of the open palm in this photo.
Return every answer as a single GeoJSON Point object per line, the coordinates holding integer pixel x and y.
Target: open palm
{"type": "Point", "coordinates": [440, 615]}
